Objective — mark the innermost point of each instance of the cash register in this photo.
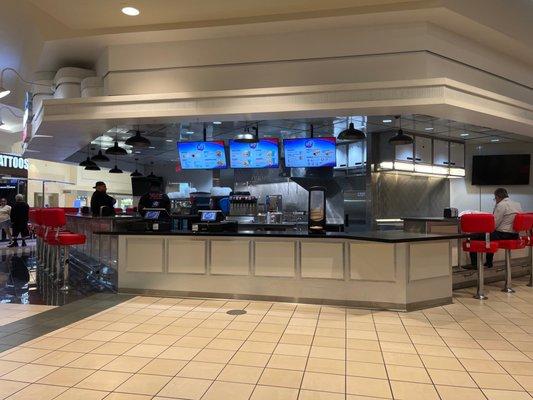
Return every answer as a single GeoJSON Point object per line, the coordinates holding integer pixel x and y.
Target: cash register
{"type": "Point", "coordinates": [156, 219]}
{"type": "Point", "coordinates": [212, 221]}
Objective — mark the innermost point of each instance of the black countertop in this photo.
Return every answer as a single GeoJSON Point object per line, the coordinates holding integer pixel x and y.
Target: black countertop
{"type": "Point", "coordinates": [391, 236]}
{"type": "Point", "coordinates": [436, 219]}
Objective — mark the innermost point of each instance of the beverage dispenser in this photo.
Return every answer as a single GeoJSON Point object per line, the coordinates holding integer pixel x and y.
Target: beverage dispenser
{"type": "Point", "coordinates": [317, 209]}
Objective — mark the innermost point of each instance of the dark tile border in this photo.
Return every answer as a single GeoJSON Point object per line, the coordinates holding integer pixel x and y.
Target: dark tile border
{"type": "Point", "coordinates": [26, 329]}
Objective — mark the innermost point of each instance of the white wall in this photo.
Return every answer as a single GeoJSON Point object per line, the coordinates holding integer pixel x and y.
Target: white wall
{"type": "Point", "coordinates": [464, 196]}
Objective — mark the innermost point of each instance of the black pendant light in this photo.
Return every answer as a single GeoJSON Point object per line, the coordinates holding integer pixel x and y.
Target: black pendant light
{"type": "Point", "coordinates": [137, 140]}
{"type": "Point", "coordinates": [136, 173]}
{"type": "Point", "coordinates": [400, 138]}
{"type": "Point", "coordinates": [100, 157]}
{"type": "Point", "coordinates": [87, 161]}
{"type": "Point", "coordinates": [92, 167]}
{"type": "Point", "coordinates": [116, 150]}
{"type": "Point", "coordinates": [115, 170]}
{"type": "Point", "coordinates": [152, 175]}
{"type": "Point", "coordinates": [351, 133]}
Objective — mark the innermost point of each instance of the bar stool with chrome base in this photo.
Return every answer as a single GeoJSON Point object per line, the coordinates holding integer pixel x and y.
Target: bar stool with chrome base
{"type": "Point", "coordinates": [62, 240]}
{"type": "Point", "coordinates": [479, 223]}
{"type": "Point", "coordinates": [522, 222]}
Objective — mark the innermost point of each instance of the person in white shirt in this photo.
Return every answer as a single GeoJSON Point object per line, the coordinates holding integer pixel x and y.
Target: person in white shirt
{"type": "Point", "coordinates": [504, 213]}
{"type": "Point", "coordinates": [5, 219]}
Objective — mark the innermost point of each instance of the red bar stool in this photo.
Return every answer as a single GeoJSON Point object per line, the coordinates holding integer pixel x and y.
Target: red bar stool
{"type": "Point", "coordinates": [61, 241]}
{"type": "Point", "coordinates": [522, 222]}
{"type": "Point", "coordinates": [479, 223]}
{"type": "Point", "coordinates": [527, 239]}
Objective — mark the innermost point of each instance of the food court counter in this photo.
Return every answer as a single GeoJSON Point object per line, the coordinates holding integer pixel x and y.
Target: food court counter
{"type": "Point", "coordinates": [379, 269]}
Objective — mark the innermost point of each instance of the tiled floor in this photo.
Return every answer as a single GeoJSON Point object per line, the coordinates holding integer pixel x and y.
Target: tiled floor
{"type": "Point", "coordinates": [15, 312]}
{"type": "Point", "coordinates": [169, 348]}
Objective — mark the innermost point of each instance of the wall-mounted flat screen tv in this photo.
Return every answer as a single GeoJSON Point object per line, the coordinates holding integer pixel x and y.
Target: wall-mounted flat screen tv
{"type": "Point", "coordinates": [309, 152]}
{"type": "Point", "coordinates": [202, 155]}
{"type": "Point", "coordinates": [262, 154]}
{"type": "Point", "coordinates": [508, 169]}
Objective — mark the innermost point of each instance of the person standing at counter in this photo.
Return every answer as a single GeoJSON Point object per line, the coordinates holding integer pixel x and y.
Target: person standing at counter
{"type": "Point", "coordinates": [155, 198]}
{"type": "Point", "coordinates": [504, 213]}
{"type": "Point", "coordinates": [102, 204]}
{"type": "Point", "coordinates": [20, 214]}
{"type": "Point", "coordinates": [5, 221]}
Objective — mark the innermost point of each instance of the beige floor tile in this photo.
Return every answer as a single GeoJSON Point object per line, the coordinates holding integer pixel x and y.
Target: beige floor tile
{"type": "Point", "coordinates": [161, 340]}
{"type": "Point", "coordinates": [92, 361]}
{"type": "Point", "coordinates": [127, 364]}
{"type": "Point", "coordinates": [144, 384]}
{"type": "Point", "coordinates": [361, 334]}
{"type": "Point", "coordinates": [495, 381]}
{"type": "Point", "coordinates": [7, 388]}
{"type": "Point", "coordinates": [186, 388]}
{"type": "Point", "coordinates": [82, 346]}
{"type": "Point", "coordinates": [179, 353]}
{"type": "Point", "coordinates": [324, 382]}
{"type": "Point", "coordinates": [429, 350]}
{"type": "Point", "coordinates": [452, 378]}
{"type": "Point", "coordinates": [322, 341]}
{"type": "Point", "coordinates": [328, 352]}
{"type": "Point", "coordinates": [195, 342]}
{"type": "Point", "coordinates": [526, 381]}
{"type": "Point", "coordinates": [409, 360]}
{"type": "Point", "coordinates": [240, 374]}
{"type": "Point", "coordinates": [408, 374]}
{"type": "Point", "coordinates": [234, 334]}
{"type": "Point", "coordinates": [8, 366]}
{"type": "Point", "coordinates": [368, 387]}
{"type": "Point", "coordinates": [258, 347]}
{"type": "Point", "coordinates": [102, 336]}
{"type": "Point", "coordinates": [113, 348]}
{"type": "Point", "coordinates": [225, 344]}
{"type": "Point", "coordinates": [282, 361]}
{"type": "Point", "coordinates": [460, 393]}
{"type": "Point", "coordinates": [366, 370]}
{"type": "Point", "coordinates": [265, 337]}
{"type": "Point", "coordinates": [437, 362]}
{"type": "Point", "coordinates": [104, 380]}
{"type": "Point", "coordinates": [160, 366]}
{"type": "Point", "coordinates": [37, 391]}
{"type": "Point", "coordinates": [316, 395]}
{"type": "Point", "coordinates": [49, 343]}
{"type": "Point", "coordinates": [327, 366]}
{"type": "Point", "coordinates": [274, 393]}
{"type": "Point", "coordinates": [516, 367]}
{"type": "Point", "coordinates": [131, 337]}
{"type": "Point", "coordinates": [228, 390]}
{"type": "Point", "coordinates": [216, 356]}
{"type": "Point", "coordinates": [146, 350]}
{"type": "Point", "coordinates": [506, 395]}
{"type": "Point", "coordinates": [82, 394]}
{"type": "Point", "coordinates": [72, 333]}
{"type": "Point", "coordinates": [66, 376]}
{"type": "Point", "coordinates": [357, 344]}
{"type": "Point", "coordinates": [507, 355]}
{"type": "Point", "coordinates": [127, 396]}
{"type": "Point", "coordinates": [201, 370]}
{"type": "Point", "coordinates": [29, 373]}
{"type": "Point", "coordinates": [476, 354]}
{"type": "Point", "coordinates": [364, 355]}
{"type": "Point", "coordinates": [147, 328]}
{"type": "Point", "coordinates": [281, 377]}
{"type": "Point", "coordinates": [24, 355]}
{"type": "Point", "coordinates": [397, 347]}
{"type": "Point", "coordinates": [250, 359]}
{"type": "Point", "coordinates": [414, 391]}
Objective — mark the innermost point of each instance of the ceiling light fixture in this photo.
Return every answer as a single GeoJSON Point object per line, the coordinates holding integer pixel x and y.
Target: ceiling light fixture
{"type": "Point", "coordinates": [130, 11]}
{"type": "Point", "coordinates": [387, 121]}
{"type": "Point", "coordinates": [247, 137]}
{"type": "Point", "coordinates": [116, 150]}
{"type": "Point", "coordinates": [400, 138]}
{"type": "Point", "coordinates": [217, 122]}
{"type": "Point", "coordinates": [100, 157]}
{"type": "Point", "coordinates": [169, 140]}
{"type": "Point", "coordinates": [137, 141]}
{"type": "Point", "coordinates": [428, 129]}
{"type": "Point", "coordinates": [136, 173]}
{"type": "Point", "coordinates": [115, 170]}
{"type": "Point", "coordinates": [151, 175]}
{"type": "Point", "coordinates": [494, 140]}
{"type": "Point", "coordinates": [465, 134]}
{"type": "Point", "coordinates": [86, 162]}
{"type": "Point", "coordinates": [92, 168]}
{"type": "Point", "coordinates": [350, 133]}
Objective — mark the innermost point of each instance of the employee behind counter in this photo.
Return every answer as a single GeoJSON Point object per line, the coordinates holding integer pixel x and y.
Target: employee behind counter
{"type": "Point", "coordinates": [155, 198]}
{"type": "Point", "coordinates": [102, 204]}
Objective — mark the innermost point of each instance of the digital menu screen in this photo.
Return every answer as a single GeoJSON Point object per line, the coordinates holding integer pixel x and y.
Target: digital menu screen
{"type": "Point", "coordinates": [309, 152]}
{"type": "Point", "coordinates": [262, 154]}
{"type": "Point", "coordinates": [202, 155]}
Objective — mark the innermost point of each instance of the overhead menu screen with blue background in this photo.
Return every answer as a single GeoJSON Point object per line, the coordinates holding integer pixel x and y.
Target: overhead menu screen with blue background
{"type": "Point", "coordinates": [202, 155]}
{"type": "Point", "coordinates": [262, 154]}
{"type": "Point", "coordinates": [309, 152]}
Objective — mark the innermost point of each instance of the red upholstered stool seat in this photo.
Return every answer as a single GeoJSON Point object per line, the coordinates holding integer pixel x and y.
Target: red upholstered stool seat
{"type": "Point", "coordinates": [480, 246]}
{"type": "Point", "coordinates": [66, 239]}
{"type": "Point", "coordinates": [511, 244]}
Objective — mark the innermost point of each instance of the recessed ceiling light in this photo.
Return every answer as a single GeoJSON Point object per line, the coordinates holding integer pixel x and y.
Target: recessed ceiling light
{"type": "Point", "coordinates": [387, 121]}
{"type": "Point", "coordinates": [137, 152]}
{"type": "Point", "coordinates": [216, 122]}
{"type": "Point", "coordinates": [465, 134]}
{"type": "Point", "coordinates": [428, 129]}
{"type": "Point", "coordinates": [169, 140]}
{"type": "Point", "coordinates": [131, 11]}
{"type": "Point", "coordinates": [151, 147]}
{"type": "Point", "coordinates": [189, 133]}
{"type": "Point", "coordinates": [494, 140]}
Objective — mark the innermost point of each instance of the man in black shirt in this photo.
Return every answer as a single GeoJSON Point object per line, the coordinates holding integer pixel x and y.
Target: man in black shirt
{"type": "Point", "coordinates": [19, 220]}
{"type": "Point", "coordinates": [102, 204]}
{"type": "Point", "coordinates": [155, 198]}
